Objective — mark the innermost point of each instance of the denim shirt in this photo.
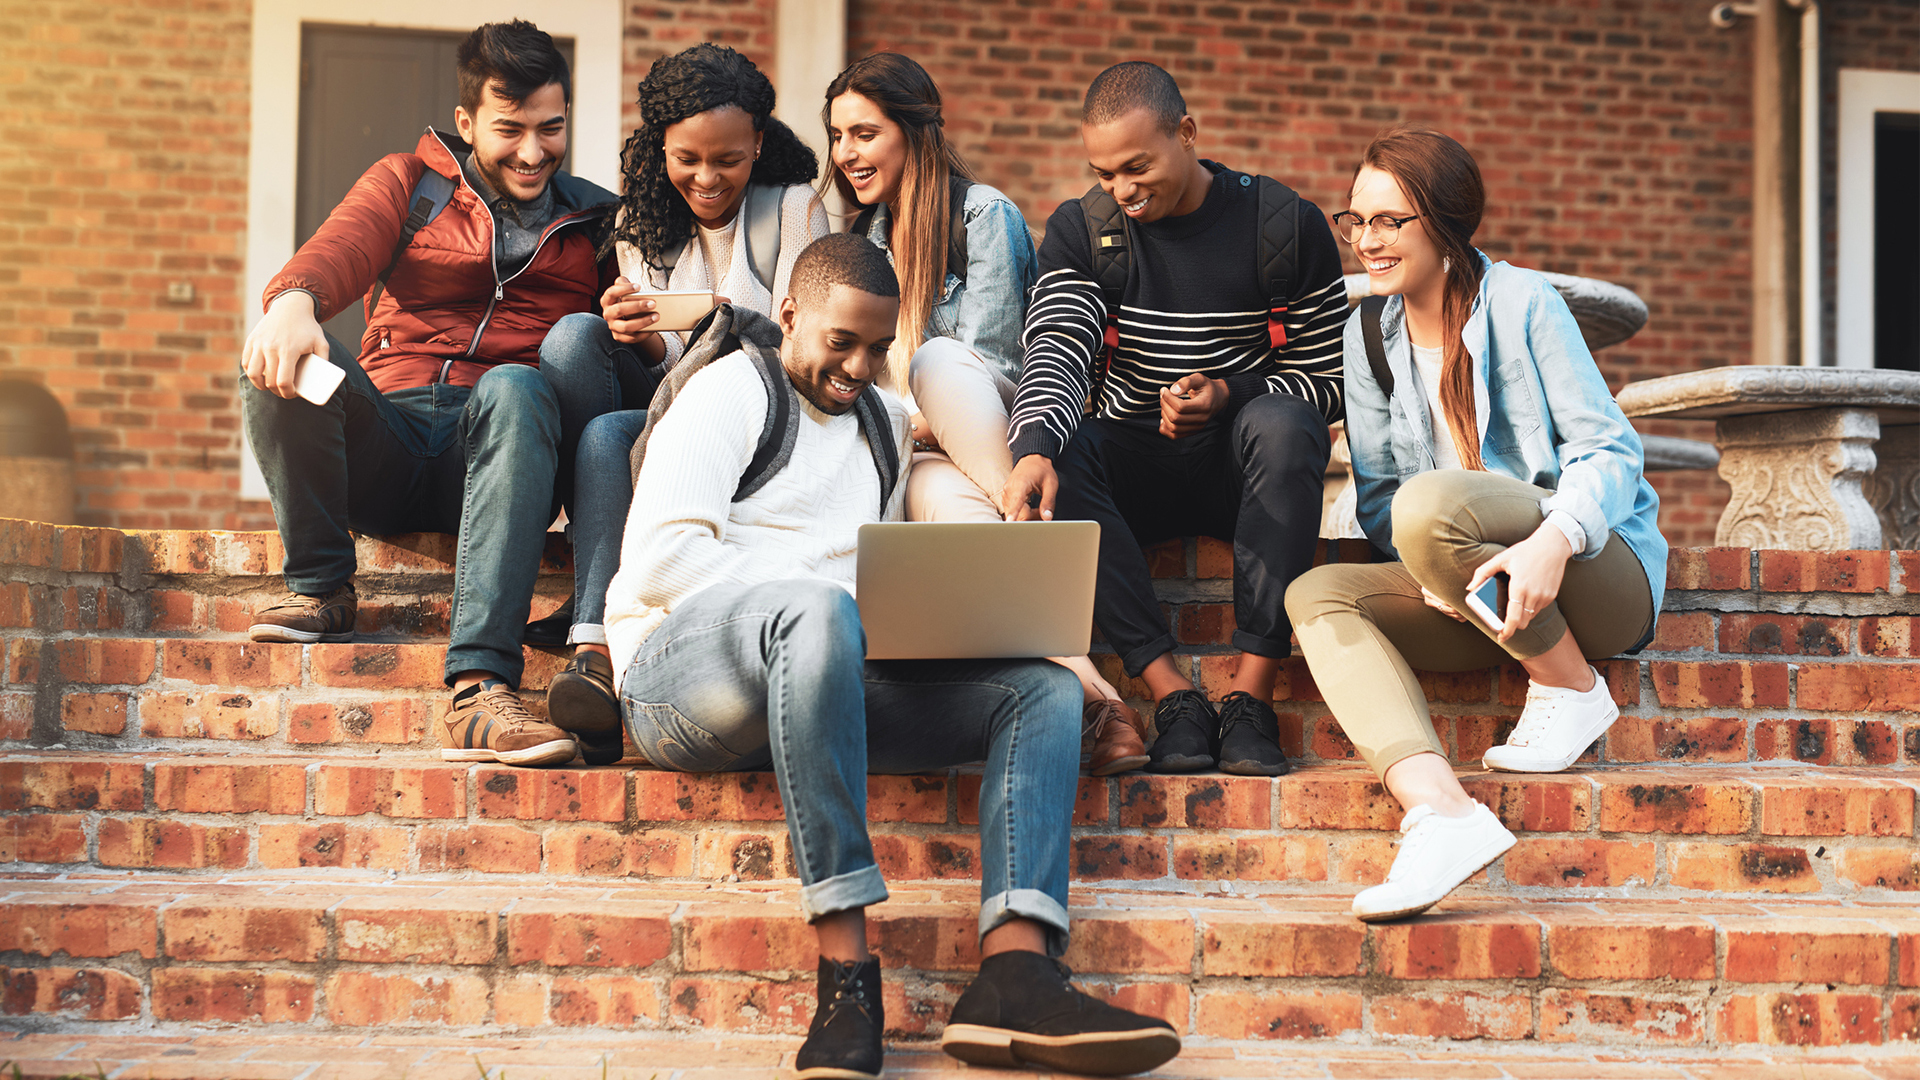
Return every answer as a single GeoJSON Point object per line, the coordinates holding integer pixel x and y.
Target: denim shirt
{"type": "Point", "coordinates": [987, 311]}
{"type": "Point", "coordinates": [1543, 411]}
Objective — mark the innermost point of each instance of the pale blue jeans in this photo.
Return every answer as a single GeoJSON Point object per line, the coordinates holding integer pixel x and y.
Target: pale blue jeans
{"type": "Point", "coordinates": [745, 677]}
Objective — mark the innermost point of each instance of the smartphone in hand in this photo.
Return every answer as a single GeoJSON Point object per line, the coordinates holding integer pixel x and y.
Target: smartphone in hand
{"type": "Point", "coordinates": [316, 378]}
{"type": "Point", "coordinates": [1485, 602]}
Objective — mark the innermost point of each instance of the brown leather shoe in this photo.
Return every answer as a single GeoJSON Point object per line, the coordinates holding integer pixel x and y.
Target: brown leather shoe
{"type": "Point", "coordinates": [297, 617]}
{"type": "Point", "coordinates": [493, 724]}
{"type": "Point", "coordinates": [1119, 744]}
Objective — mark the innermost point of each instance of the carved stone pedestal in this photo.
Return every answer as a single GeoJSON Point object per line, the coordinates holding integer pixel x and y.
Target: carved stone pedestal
{"type": "Point", "coordinates": [1798, 445]}
{"type": "Point", "coordinates": [1894, 487]}
{"type": "Point", "coordinates": [1796, 480]}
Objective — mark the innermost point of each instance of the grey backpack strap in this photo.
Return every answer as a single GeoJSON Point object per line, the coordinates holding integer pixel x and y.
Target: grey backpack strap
{"type": "Point", "coordinates": [1370, 309]}
{"type": "Point", "coordinates": [761, 230]}
{"type": "Point", "coordinates": [782, 429]}
{"type": "Point", "coordinates": [430, 196]}
{"type": "Point", "coordinates": [882, 442]}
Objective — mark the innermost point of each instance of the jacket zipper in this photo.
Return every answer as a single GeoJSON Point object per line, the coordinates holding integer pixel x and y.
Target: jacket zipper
{"type": "Point", "coordinates": [499, 284]}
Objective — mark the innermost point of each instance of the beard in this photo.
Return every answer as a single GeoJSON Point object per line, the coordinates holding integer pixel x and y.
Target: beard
{"type": "Point", "coordinates": [810, 382]}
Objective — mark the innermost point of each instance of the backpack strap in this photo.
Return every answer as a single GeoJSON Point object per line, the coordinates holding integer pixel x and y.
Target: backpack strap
{"type": "Point", "coordinates": [782, 429]}
{"type": "Point", "coordinates": [1112, 259]}
{"type": "Point", "coordinates": [957, 186]}
{"type": "Point", "coordinates": [1370, 309]}
{"type": "Point", "coordinates": [881, 441]}
{"type": "Point", "coordinates": [430, 196]}
{"type": "Point", "coordinates": [761, 230]}
{"type": "Point", "coordinates": [1277, 224]}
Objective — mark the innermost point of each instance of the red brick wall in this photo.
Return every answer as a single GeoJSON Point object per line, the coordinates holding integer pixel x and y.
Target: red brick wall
{"type": "Point", "coordinates": [658, 28]}
{"type": "Point", "coordinates": [1613, 135]}
{"type": "Point", "coordinates": [127, 124]}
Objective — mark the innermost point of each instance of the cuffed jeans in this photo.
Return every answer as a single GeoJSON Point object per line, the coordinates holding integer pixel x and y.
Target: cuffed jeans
{"type": "Point", "coordinates": [1256, 481]}
{"type": "Point", "coordinates": [591, 375]}
{"type": "Point", "coordinates": [1364, 627]}
{"type": "Point", "coordinates": [475, 461]}
{"type": "Point", "coordinates": [740, 677]}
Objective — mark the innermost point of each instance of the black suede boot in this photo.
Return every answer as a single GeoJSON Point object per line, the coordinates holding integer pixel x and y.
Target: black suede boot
{"type": "Point", "coordinates": [1189, 730]}
{"type": "Point", "coordinates": [843, 1042]}
{"type": "Point", "coordinates": [1022, 1012]}
{"type": "Point", "coordinates": [1250, 737]}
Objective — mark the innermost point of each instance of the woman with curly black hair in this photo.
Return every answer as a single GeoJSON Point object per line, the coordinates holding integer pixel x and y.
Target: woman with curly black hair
{"type": "Point", "coordinates": [707, 138]}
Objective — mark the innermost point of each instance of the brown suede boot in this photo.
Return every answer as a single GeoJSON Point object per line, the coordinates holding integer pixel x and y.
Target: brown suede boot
{"type": "Point", "coordinates": [1118, 735]}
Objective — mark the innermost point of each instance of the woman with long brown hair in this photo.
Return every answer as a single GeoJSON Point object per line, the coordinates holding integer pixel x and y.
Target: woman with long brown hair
{"type": "Point", "coordinates": [966, 265]}
{"type": "Point", "coordinates": [1486, 448]}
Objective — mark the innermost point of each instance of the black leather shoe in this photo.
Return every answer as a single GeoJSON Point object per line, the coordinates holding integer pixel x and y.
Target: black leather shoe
{"type": "Point", "coordinates": [843, 1042]}
{"type": "Point", "coordinates": [1250, 737]}
{"type": "Point", "coordinates": [1021, 1012]}
{"type": "Point", "coordinates": [581, 702]}
{"type": "Point", "coordinates": [1189, 734]}
{"type": "Point", "coordinates": [552, 630]}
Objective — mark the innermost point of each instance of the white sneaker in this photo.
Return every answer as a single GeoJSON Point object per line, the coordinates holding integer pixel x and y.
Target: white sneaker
{"type": "Point", "coordinates": [1556, 727]}
{"type": "Point", "coordinates": [1437, 854]}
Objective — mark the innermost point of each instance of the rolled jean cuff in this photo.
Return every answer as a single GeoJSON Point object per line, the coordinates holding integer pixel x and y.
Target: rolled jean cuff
{"type": "Point", "coordinates": [1027, 904]}
{"type": "Point", "coordinates": [587, 633]}
{"type": "Point", "coordinates": [1135, 660]}
{"type": "Point", "coordinates": [1263, 646]}
{"type": "Point", "coordinates": [844, 892]}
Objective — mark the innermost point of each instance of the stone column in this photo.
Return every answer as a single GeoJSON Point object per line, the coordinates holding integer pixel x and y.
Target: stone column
{"type": "Point", "coordinates": [1894, 487]}
{"type": "Point", "coordinates": [1797, 480]}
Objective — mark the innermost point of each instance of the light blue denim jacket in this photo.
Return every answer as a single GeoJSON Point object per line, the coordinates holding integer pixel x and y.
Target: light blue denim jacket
{"type": "Point", "coordinates": [987, 311]}
{"type": "Point", "coordinates": [1544, 414]}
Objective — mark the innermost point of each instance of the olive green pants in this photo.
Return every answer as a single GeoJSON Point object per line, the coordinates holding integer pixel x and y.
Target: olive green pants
{"type": "Point", "coordinates": [1364, 628]}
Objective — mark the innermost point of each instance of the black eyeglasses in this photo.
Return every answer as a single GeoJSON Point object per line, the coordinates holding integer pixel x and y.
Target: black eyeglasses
{"type": "Point", "coordinates": [1349, 226]}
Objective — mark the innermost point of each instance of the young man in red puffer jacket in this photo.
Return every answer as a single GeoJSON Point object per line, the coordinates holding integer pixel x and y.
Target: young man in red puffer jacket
{"type": "Point", "coordinates": [445, 422]}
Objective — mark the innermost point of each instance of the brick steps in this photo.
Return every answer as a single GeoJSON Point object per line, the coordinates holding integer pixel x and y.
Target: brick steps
{"type": "Point", "coordinates": [1677, 831]}
{"type": "Point", "coordinates": [552, 1055]}
{"type": "Point", "coordinates": [345, 956]}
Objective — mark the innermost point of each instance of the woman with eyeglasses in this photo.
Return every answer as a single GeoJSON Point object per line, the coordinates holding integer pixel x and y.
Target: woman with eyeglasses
{"type": "Point", "coordinates": [1486, 448]}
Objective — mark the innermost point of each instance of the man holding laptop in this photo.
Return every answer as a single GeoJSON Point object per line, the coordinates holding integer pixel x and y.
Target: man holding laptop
{"type": "Point", "coordinates": [737, 645]}
{"type": "Point", "coordinates": [444, 422]}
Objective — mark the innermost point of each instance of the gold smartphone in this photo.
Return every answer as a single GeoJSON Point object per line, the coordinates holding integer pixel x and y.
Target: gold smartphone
{"type": "Point", "coordinates": [678, 310]}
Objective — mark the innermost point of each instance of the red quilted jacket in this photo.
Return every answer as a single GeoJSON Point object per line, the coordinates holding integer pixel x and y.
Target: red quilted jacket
{"type": "Point", "coordinates": [445, 315]}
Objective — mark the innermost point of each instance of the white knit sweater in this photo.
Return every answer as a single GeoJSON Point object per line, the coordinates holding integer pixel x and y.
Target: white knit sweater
{"type": "Point", "coordinates": [685, 533]}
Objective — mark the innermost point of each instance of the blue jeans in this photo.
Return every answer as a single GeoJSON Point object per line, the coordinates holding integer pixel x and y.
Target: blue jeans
{"type": "Point", "coordinates": [591, 374]}
{"type": "Point", "coordinates": [740, 677]}
{"type": "Point", "coordinates": [602, 495]}
{"type": "Point", "coordinates": [475, 461]}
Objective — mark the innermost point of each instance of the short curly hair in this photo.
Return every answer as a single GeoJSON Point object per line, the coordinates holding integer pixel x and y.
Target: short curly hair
{"type": "Point", "coordinates": [654, 218]}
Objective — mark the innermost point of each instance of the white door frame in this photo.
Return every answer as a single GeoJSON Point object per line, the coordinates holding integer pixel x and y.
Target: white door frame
{"type": "Point", "coordinates": [274, 135]}
{"type": "Point", "coordinates": [1862, 93]}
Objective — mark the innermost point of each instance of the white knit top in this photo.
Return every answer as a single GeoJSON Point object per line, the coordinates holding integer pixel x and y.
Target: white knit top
{"type": "Point", "coordinates": [685, 533]}
{"type": "Point", "coordinates": [802, 221]}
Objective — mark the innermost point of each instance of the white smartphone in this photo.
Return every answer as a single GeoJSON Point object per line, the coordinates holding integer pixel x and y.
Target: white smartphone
{"type": "Point", "coordinates": [1485, 602]}
{"type": "Point", "coordinates": [678, 310]}
{"type": "Point", "coordinates": [316, 378]}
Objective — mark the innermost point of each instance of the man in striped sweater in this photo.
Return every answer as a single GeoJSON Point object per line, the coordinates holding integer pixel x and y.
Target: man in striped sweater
{"type": "Point", "coordinates": [1205, 419]}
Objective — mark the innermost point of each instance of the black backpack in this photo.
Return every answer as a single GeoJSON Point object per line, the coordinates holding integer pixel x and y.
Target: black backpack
{"type": "Point", "coordinates": [728, 329]}
{"type": "Point", "coordinates": [1276, 257]}
{"type": "Point", "coordinates": [957, 186]}
{"type": "Point", "coordinates": [431, 194]}
{"type": "Point", "coordinates": [1370, 309]}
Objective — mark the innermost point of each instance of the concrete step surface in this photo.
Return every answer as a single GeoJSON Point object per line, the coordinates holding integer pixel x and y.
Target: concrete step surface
{"type": "Point", "coordinates": [371, 956]}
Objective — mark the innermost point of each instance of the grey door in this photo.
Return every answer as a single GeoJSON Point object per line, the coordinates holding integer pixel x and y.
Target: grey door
{"type": "Point", "coordinates": [366, 92]}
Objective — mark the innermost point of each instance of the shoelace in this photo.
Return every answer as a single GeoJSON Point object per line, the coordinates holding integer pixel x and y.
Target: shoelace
{"type": "Point", "coordinates": [1536, 717]}
{"type": "Point", "coordinates": [506, 706]}
{"type": "Point", "coordinates": [1415, 838]}
{"type": "Point", "coordinates": [1187, 705]}
{"type": "Point", "coordinates": [847, 994]}
{"type": "Point", "coordinates": [1239, 709]}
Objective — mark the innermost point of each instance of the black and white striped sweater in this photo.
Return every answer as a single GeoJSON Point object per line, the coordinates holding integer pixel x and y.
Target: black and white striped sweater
{"type": "Point", "coordinates": [1193, 303]}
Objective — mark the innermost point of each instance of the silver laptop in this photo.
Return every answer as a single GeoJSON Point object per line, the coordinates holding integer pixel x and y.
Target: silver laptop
{"type": "Point", "coordinates": [940, 590]}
